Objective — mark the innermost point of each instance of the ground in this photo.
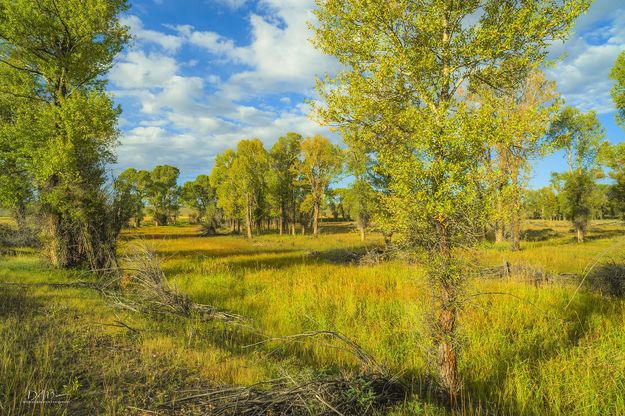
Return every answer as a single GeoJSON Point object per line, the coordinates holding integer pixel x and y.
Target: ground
{"type": "Point", "coordinates": [534, 342]}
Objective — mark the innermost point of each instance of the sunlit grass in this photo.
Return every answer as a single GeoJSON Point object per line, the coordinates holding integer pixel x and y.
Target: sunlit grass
{"type": "Point", "coordinates": [536, 350]}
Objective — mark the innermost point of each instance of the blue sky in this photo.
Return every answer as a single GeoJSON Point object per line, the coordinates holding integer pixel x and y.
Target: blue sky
{"type": "Point", "coordinates": [201, 75]}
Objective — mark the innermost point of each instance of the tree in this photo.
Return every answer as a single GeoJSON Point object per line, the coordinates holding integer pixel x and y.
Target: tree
{"type": "Point", "coordinates": [164, 193]}
{"type": "Point", "coordinates": [582, 137]}
{"type": "Point", "coordinates": [322, 163]}
{"type": "Point", "coordinates": [63, 50]}
{"type": "Point", "coordinates": [618, 90]}
{"type": "Point", "coordinates": [248, 169]}
{"type": "Point", "coordinates": [202, 197]}
{"type": "Point", "coordinates": [405, 64]}
{"type": "Point", "coordinates": [285, 160]}
{"type": "Point", "coordinates": [224, 182]}
{"type": "Point", "coordinates": [134, 186]}
{"type": "Point", "coordinates": [360, 198]}
{"type": "Point", "coordinates": [614, 158]}
{"type": "Point", "coordinates": [521, 119]}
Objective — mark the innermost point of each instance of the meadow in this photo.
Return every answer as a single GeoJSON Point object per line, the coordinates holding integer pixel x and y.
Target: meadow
{"type": "Point", "coordinates": [548, 346]}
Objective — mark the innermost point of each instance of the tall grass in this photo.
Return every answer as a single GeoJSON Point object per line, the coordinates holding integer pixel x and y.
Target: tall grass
{"type": "Point", "coordinates": [526, 349]}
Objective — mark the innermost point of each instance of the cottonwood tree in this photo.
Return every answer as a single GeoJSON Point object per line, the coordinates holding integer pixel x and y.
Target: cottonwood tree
{"type": "Point", "coordinates": [582, 137]}
{"type": "Point", "coordinates": [164, 194]}
{"type": "Point", "coordinates": [360, 199]}
{"type": "Point", "coordinates": [69, 127]}
{"type": "Point", "coordinates": [224, 182]}
{"type": "Point", "coordinates": [248, 171]}
{"type": "Point", "coordinates": [322, 162]}
{"type": "Point", "coordinates": [520, 119]}
{"type": "Point", "coordinates": [285, 161]}
{"type": "Point", "coordinates": [405, 63]}
{"type": "Point", "coordinates": [200, 195]}
{"type": "Point", "coordinates": [134, 185]}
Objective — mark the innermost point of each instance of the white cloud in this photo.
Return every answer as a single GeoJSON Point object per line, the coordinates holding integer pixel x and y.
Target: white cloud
{"type": "Point", "coordinates": [170, 43]}
{"type": "Point", "coordinates": [583, 74]}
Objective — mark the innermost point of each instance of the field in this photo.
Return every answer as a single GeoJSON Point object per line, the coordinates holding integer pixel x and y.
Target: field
{"type": "Point", "coordinates": [529, 347]}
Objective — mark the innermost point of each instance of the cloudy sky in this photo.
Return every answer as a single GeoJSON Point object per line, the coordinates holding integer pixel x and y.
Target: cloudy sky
{"type": "Point", "coordinates": [202, 74]}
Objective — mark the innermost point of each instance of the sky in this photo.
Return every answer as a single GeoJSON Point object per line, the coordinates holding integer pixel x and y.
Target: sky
{"type": "Point", "coordinates": [200, 75]}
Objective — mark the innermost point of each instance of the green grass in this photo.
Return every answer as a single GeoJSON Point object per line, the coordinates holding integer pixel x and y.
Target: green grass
{"type": "Point", "coordinates": [524, 351]}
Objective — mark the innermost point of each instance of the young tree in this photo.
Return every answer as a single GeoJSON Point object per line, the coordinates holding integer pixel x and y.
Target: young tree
{"type": "Point", "coordinates": [69, 125]}
{"type": "Point", "coordinates": [248, 170]}
{"type": "Point", "coordinates": [200, 195]}
{"type": "Point", "coordinates": [164, 193]}
{"type": "Point", "coordinates": [360, 198]}
{"type": "Point", "coordinates": [618, 91]}
{"type": "Point", "coordinates": [582, 137]}
{"type": "Point", "coordinates": [285, 160]}
{"type": "Point", "coordinates": [405, 65]}
{"type": "Point", "coordinates": [322, 163]}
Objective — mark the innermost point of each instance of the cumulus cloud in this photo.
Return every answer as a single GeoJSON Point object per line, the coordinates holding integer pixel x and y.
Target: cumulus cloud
{"type": "Point", "coordinates": [583, 73]}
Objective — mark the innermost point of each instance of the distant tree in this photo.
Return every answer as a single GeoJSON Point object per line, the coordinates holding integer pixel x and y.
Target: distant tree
{"type": "Point", "coordinates": [164, 194]}
{"type": "Point", "coordinates": [285, 161]}
{"type": "Point", "coordinates": [521, 119]}
{"type": "Point", "coordinates": [582, 137]}
{"type": "Point", "coordinates": [224, 182]}
{"type": "Point", "coordinates": [614, 158]}
{"type": "Point", "coordinates": [133, 186]}
{"type": "Point", "coordinates": [248, 170]}
{"type": "Point", "coordinates": [200, 195]}
{"type": "Point", "coordinates": [360, 198]}
{"type": "Point", "coordinates": [321, 165]}
{"type": "Point", "coordinates": [618, 91]}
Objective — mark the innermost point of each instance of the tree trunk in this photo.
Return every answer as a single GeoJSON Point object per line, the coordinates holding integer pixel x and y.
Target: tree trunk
{"type": "Point", "coordinates": [580, 233]}
{"type": "Point", "coordinates": [445, 330]}
{"type": "Point", "coordinates": [362, 233]}
{"type": "Point", "coordinates": [315, 224]}
{"type": "Point", "coordinates": [248, 218]}
{"type": "Point", "coordinates": [499, 231]}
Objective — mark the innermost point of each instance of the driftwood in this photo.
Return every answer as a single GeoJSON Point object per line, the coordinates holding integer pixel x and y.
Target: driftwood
{"type": "Point", "coordinates": [524, 272]}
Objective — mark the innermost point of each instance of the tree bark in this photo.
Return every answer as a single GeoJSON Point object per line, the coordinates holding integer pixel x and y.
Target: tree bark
{"type": "Point", "coordinates": [315, 223]}
{"type": "Point", "coordinates": [248, 218]}
{"type": "Point", "coordinates": [362, 233]}
{"type": "Point", "coordinates": [580, 233]}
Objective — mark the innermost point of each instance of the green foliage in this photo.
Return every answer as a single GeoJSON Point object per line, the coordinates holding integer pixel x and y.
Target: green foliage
{"type": "Point", "coordinates": [54, 56]}
{"type": "Point", "coordinates": [618, 90]}
{"type": "Point", "coordinates": [321, 164]}
{"type": "Point", "coordinates": [164, 193]}
{"type": "Point", "coordinates": [283, 190]}
{"type": "Point", "coordinates": [580, 135]}
{"type": "Point", "coordinates": [202, 197]}
{"type": "Point", "coordinates": [580, 200]}
{"type": "Point", "coordinates": [248, 172]}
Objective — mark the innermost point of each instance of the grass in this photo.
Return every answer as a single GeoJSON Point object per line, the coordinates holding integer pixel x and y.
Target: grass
{"type": "Point", "coordinates": [530, 350]}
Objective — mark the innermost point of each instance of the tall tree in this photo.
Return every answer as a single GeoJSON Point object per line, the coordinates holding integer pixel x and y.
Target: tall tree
{"type": "Point", "coordinates": [322, 163]}
{"type": "Point", "coordinates": [405, 64]}
{"type": "Point", "coordinates": [65, 48]}
{"type": "Point", "coordinates": [582, 137]}
{"type": "Point", "coordinates": [164, 193]}
{"type": "Point", "coordinates": [248, 169]}
{"type": "Point", "coordinates": [285, 160]}
{"type": "Point", "coordinates": [614, 158]}
{"type": "Point", "coordinates": [224, 182]}
{"type": "Point", "coordinates": [521, 119]}
{"type": "Point", "coordinates": [134, 185]}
